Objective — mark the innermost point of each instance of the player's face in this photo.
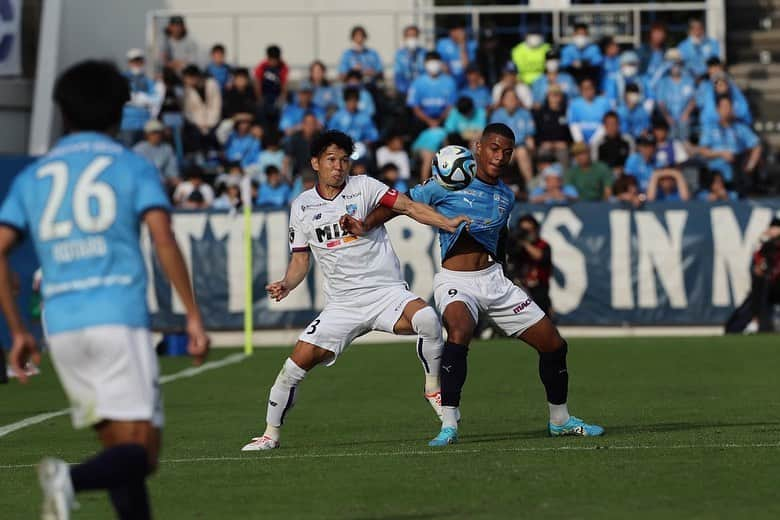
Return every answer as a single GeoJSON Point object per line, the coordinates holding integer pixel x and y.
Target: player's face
{"type": "Point", "coordinates": [493, 153]}
{"type": "Point", "coordinates": [332, 166]}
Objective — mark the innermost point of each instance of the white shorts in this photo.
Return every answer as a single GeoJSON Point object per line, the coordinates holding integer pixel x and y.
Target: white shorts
{"type": "Point", "coordinates": [488, 291]}
{"type": "Point", "coordinates": [341, 322]}
{"type": "Point", "coordinates": [109, 372]}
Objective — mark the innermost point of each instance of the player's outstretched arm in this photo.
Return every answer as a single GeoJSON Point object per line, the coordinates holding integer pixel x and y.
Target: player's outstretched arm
{"type": "Point", "coordinates": [172, 262]}
{"type": "Point", "coordinates": [425, 214]}
{"type": "Point", "coordinates": [376, 218]}
{"type": "Point", "coordinates": [23, 347]}
{"type": "Point", "coordinates": [297, 270]}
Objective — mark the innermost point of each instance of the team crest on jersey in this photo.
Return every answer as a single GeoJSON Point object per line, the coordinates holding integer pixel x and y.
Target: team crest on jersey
{"type": "Point", "coordinates": [351, 209]}
{"type": "Point", "coordinates": [496, 197]}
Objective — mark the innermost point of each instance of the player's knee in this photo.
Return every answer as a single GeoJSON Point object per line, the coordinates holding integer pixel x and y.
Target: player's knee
{"type": "Point", "coordinates": [425, 322]}
{"type": "Point", "coordinates": [460, 334]}
{"type": "Point", "coordinates": [558, 348]}
{"type": "Point", "coordinates": [290, 375]}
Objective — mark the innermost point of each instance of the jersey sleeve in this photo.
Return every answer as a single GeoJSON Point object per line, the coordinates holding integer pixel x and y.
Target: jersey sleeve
{"type": "Point", "coordinates": [12, 212]}
{"type": "Point", "coordinates": [428, 193]}
{"type": "Point", "coordinates": [149, 193]}
{"type": "Point", "coordinates": [378, 193]}
{"type": "Point", "coordinates": [298, 241]}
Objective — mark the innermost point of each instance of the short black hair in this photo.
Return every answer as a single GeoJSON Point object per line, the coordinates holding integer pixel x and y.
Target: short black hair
{"type": "Point", "coordinates": [218, 48]}
{"type": "Point", "coordinates": [432, 55]}
{"type": "Point", "coordinates": [581, 25]}
{"type": "Point", "coordinates": [91, 95]}
{"type": "Point", "coordinates": [323, 140]}
{"type": "Point", "coordinates": [632, 87]}
{"type": "Point", "coordinates": [464, 105]}
{"type": "Point", "coordinates": [192, 171]}
{"type": "Point", "coordinates": [391, 166]}
{"type": "Point", "coordinates": [610, 114]}
{"type": "Point", "coordinates": [273, 51]}
{"type": "Point", "coordinates": [351, 93]}
{"type": "Point", "coordinates": [191, 70]}
{"type": "Point", "coordinates": [272, 137]}
{"type": "Point", "coordinates": [530, 219]}
{"type": "Point", "coordinates": [241, 71]}
{"type": "Point", "coordinates": [660, 122]}
{"type": "Point", "coordinates": [498, 129]}
{"type": "Point", "coordinates": [356, 29]}
{"type": "Point", "coordinates": [272, 168]}
{"type": "Point", "coordinates": [411, 27]}
{"type": "Point", "coordinates": [353, 74]}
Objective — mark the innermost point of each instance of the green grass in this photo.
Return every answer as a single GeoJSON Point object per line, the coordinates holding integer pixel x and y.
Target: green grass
{"type": "Point", "coordinates": [693, 429]}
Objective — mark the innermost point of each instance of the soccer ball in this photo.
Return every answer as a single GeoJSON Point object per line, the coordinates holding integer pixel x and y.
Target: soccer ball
{"type": "Point", "coordinates": [454, 167]}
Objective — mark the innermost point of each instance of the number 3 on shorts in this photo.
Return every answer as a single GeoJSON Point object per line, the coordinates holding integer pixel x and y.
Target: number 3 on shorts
{"type": "Point", "coordinates": [313, 328]}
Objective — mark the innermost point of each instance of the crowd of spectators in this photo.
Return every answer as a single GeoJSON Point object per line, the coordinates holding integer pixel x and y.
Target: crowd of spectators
{"type": "Point", "coordinates": [593, 121]}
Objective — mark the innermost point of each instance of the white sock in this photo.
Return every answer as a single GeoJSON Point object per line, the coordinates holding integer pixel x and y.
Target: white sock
{"type": "Point", "coordinates": [559, 413]}
{"type": "Point", "coordinates": [273, 432]}
{"type": "Point", "coordinates": [283, 393]}
{"type": "Point", "coordinates": [432, 384]}
{"type": "Point", "coordinates": [449, 417]}
{"type": "Point", "coordinates": [430, 343]}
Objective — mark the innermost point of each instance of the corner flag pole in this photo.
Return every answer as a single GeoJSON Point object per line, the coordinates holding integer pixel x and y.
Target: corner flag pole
{"type": "Point", "coordinates": [246, 203]}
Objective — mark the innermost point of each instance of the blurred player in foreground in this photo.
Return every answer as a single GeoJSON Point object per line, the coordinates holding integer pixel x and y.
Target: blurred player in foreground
{"type": "Point", "coordinates": [471, 280]}
{"type": "Point", "coordinates": [364, 286]}
{"type": "Point", "coordinates": [82, 205]}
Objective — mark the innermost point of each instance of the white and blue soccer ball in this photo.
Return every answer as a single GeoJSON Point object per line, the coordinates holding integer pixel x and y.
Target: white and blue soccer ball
{"type": "Point", "coordinates": [454, 167]}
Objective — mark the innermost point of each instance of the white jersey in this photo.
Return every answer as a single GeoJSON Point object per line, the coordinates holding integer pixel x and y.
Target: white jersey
{"type": "Point", "coordinates": [351, 265]}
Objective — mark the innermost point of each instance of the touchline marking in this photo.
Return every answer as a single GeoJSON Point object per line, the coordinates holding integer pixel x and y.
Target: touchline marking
{"type": "Point", "coordinates": [401, 453]}
{"type": "Point", "coordinates": [187, 372]}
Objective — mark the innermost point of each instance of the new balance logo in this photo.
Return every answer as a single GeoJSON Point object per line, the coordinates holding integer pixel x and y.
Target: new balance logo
{"type": "Point", "coordinates": [272, 403]}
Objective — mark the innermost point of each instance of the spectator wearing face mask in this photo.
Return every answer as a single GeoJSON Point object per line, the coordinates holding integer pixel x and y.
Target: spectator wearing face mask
{"type": "Point", "coordinates": [511, 113]}
{"type": "Point", "coordinates": [475, 88]}
{"type": "Point", "coordinates": [552, 126]}
{"type": "Point", "coordinates": [582, 57]}
{"type": "Point", "coordinates": [676, 96]}
{"type": "Point", "coordinates": [510, 80]}
{"type": "Point", "coordinates": [432, 94]}
{"type": "Point", "coordinates": [361, 58]}
{"type": "Point", "coordinates": [628, 74]}
{"type": "Point", "coordinates": [553, 76]}
{"type": "Point", "coordinates": [586, 113]}
{"type": "Point", "coordinates": [457, 51]}
{"type": "Point", "coordinates": [610, 145]}
{"type": "Point", "coordinates": [409, 60]}
{"type": "Point", "coordinates": [529, 57]}
{"type": "Point", "coordinates": [634, 118]}
{"type": "Point", "coordinates": [697, 48]}
{"type": "Point", "coordinates": [145, 99]}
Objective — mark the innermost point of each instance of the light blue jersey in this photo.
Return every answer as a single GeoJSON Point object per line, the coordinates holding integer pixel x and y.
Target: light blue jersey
{"type": "Point", "coordinates": [81, 204]}
{"type": "Point", "coordinates": [488, 206]}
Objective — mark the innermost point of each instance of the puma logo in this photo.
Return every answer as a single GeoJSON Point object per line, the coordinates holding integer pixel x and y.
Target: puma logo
{"type": "Point", "coordinates": [469, 202]}
{"type": "Point", "coordinates": [447, 368]}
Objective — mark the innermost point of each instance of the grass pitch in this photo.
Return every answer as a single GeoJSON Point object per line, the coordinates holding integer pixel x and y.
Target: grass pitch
{"type": "Point", "coordinates": [693, 431]}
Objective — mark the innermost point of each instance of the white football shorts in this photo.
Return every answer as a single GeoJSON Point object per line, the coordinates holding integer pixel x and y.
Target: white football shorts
{"type": "Point", "coordinates": [490, 292]}
{"type": "Point", "coordinates": [109, 372]}
{"type": "Point", "coordinates": [341, 322]}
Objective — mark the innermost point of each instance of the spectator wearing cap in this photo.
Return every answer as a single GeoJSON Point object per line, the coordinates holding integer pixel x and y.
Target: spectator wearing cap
{"type": "Point", "coordinates": [292, 115]}
{"type": "Point", "coordinates": [179, 50]}
{"type": "Point", "coordinates": [634, 117]}
{"type": "Point", "coordinates": [274, 193]}
{"type": "Point", "coordinates": [586, 113]}
{"type": "Point", "coordinates": [475, 88]}
{"type": "Point", "coordinates": [676, 96]}
{"type": "Point", "coordinates": [296, 146]}
{"type": "Point", "coordinates": [553, 76]}
{"type": "Point", "coordinates": [653, 53]}
{"type": "Point", "coordinates": [159, 153]}
{"type": "Point", "coordinates": [554, 191]}
{"type": "Point", "coordinates": [667, 185]}
{"type": "Point", "coordinates": [552, 126]}
{"type": "Point", "coordinates": [511, 113]}
{"type": "Point", "coordinates": [628, 74]}
{"type": "Point", "coordinates": [239, 97]}
{"type": "Point", "coordinates": [721, 86]}
{"type": "Point", "coordinates": [610, 145]}
{"type": "Point", "coordinates": [409, 60]}
{"type": "Point", "coordinates": [241, 146]}
{"type": "Point", "coordinates": [217, 68]}
{"type": "Point", "coordinates": [393, 152]}
{"type": "Point", "coordinates": [457, 51]}
{"type": "Point", "coordinates": [145, 99]}
{"type": "Point", "coordinates": [697, 48]}
{"type": "Point", "coordinates": [641, 164]}
{"type": "Point", "coordinates": [669, 152]}
{"type": "Point", "coordinates": [716, 190]}
{"type": "Point", "coordinates": [361, 58]}
{"type": "Point", "coordinates": [626, 191]}
{"type": "Point", "coordinates": [366, 100]}
{"type": "Point", "coordinates": [731, 148]}
{"type": "Point", "coordinates": [432, 95]}
{"type": "Point", "coordinates": [271, 82]}
{"type": "Point", "coordinates": [202, 106]}
{"type": "Point", "coordinates": [352, 121]}
{"type": "Point", "coordinates": [592, 180]}
{"type": "Point", "coordinates": [529, 57]}
{"type": "Point", "coordinates": [325, 95]}
{"type": "Point", "coordinates": [193, 192]}
{"type": "Point", "coordinates": [510, 80]}
{"type": "Point", "coordinates": [582, 57]}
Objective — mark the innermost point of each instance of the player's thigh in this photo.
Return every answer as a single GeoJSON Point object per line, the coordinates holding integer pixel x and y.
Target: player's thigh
{"type": "Point", "coordinates": [333, 330]}
{"type": "Point", "coordinates": [458, 304]}
{"type": "Point", "coordinates": [511, 309]}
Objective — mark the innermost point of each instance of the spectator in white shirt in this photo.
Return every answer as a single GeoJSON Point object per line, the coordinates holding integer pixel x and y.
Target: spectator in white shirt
{"type": "Point", "coordinates": [393, 152]}
{"type": "Point", "coordinates": [193, 192]}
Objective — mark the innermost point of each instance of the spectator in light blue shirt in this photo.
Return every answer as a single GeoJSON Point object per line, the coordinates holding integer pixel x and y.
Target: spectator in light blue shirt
{"type": "Point", "coordinates": [653, 54]}
{"type": "Point", "coordinates": [143, 102]}
{"type": "Point", "coordinates": [366, 102]}
{"type": "Point", "coordinates": [553, 76]}
{"type": "Point", "coordinates": [586, 113]}
{"type": "Point", "coordinates": [466, 120]}
{"type": "Point", "coordinates": [612, 60]}
{"type": "Point", "coordinates": [675, 94]}
{"type": "Point", "coordinates": [554, 191]}
{"type": "Point", "coordinates": [361, 58]}
{"type": "Point", "coordinates": [697, 48]}
{"type": "Point", "coordinates": [409, 60]}
{"type": "Point", "coordinates": [627, 74]}
{"type": "Point", "coordinates": [217, 68]}
{"type": "Point", "coordinates": [325, 95]}
{"type": "Point", "coordinates": [641, 164]}
{"type": "Point", "coordinates": [582, 57]}
{"type": "Point", "coordinates": [716, 190]}
{"type": "Point", "coordinates": [511, 113]}
{"type": "Point", "coordinates": [352, 121]}
{"type": "Point", "coordinates": [273, 193]}
{"type": "Point", "coordinates": [242, 146]}
{"type": "Point", "coordinates": [634, 118]}
{"type": "Point", "coordinates": [292, 115]}
{"type": "Point", "coordinates": [457, 51]}
{"type": "Point", "coordinates": [475, 88]}
{"type": "Point", "coordinates": [709, 93]}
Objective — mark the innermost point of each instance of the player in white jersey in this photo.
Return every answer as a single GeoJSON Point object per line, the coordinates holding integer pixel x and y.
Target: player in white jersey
{"type": "Point", "coordinates": [364, 286]}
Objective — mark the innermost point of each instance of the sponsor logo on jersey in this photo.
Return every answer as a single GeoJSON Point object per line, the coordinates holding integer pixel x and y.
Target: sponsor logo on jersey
{"type": "Point", "coordinates": [469, 202]}
{"type": "Point", "coordinates": [351, 209]}
{"type": "Point", "coordinates": [522, 306]}
{"type": "Point", "coordinates": [328, 232]}
{"type": "Point", "coordinates": [350, 195]}
{"type": "Point", "coordinates": [304, 207]}
{"type": "Point", "coordinates": [333, 243]}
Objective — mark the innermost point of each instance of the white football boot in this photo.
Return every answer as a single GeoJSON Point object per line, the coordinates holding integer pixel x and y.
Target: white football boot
{"type": "Point", "coordinates": [261, 444]}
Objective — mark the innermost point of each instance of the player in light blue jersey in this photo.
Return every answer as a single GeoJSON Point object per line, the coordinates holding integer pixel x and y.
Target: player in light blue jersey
{"type": "Point", "coordinates": [82, 205]}
{"type": "Point", "coordinates": [472, 281]}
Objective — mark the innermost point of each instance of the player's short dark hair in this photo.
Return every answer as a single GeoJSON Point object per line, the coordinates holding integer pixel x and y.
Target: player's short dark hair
{"type": "Point", "coordinates": [218, 48]}
{"type": "Point", "coordinates": [351, 93]}
{"type": "Point", "coordinates": [91, 95]}
{"type": "Point", "coordinates": [273, 51]}
{"type": "Point", "coordinates": [323, 140]}
{"type": "Point", "coordinates": [498, 129]}
{"type": "Point", "coordinates": [530, 219]}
